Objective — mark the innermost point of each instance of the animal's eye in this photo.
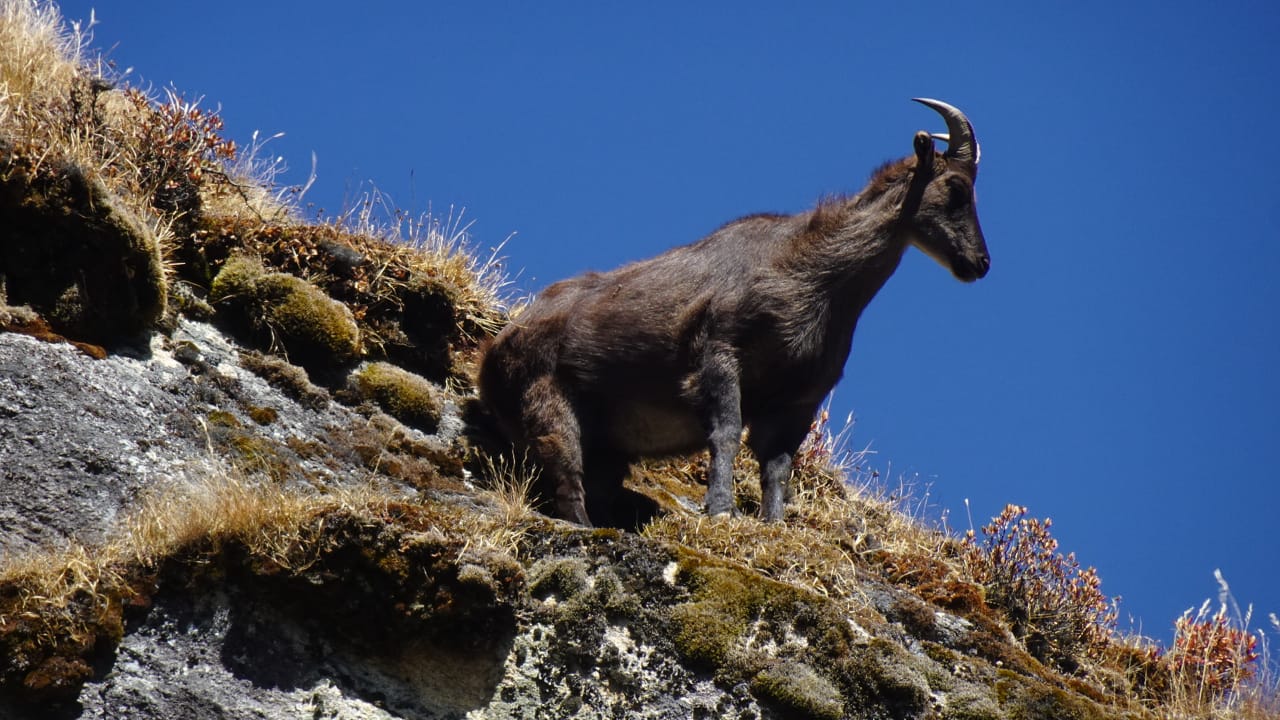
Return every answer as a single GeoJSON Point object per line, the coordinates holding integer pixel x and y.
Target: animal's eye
{"type": "Point", "coordinates": [958, 197]}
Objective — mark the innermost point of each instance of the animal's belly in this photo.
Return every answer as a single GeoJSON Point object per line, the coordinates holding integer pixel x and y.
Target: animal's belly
{"type": "Point", "coordinates": [643, 429]}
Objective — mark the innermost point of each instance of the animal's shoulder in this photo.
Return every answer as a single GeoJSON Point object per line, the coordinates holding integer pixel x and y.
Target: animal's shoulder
{"type": "Point", "coordinates": [749, 225]}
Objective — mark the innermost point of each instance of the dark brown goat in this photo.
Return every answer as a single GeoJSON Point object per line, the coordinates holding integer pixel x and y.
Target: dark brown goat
{"type": "Point", "coordinates": [748, 327]}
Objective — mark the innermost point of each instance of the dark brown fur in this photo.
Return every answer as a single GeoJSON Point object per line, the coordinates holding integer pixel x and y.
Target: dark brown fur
{"type": "Point", "coordinates": [749, 327]}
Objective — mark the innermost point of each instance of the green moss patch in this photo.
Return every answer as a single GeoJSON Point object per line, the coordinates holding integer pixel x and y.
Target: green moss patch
{"type": "Point", "coordinates": [744, 627]}
{"type": "Point", "coordinates": [564, 578]}
{"type": "Point", "coordinates": [708, 629]}
{"type": "Point", "coordinates": [799, 691]}
{"type": "Point", "coordinates": [1021, 699]}
{"type": "Point", "coordinates": [403, 395]}
{"type": "Point", "coordinates": [287, 313]}
{"type": "Point", "coordinates": [882, 673]}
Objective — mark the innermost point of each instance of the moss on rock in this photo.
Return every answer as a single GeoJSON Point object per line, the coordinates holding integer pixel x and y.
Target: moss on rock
{"type": "Point", "coordinates": [563, 577]}
{"type": "Point", "coordinates": [75, 253]}
{"type": "Point", "coordinates": [882, 673]}
{"type": "Point", "coordinates": [309, 324]}
{"type": "Point", "coordinates": [286, 312]}
{"type": "Point", "coordinates": [707, 629]}
{"type": "Point", "coordinates": [799, 691]}
{"type": "Point", "coordinates": [403, 395]}
{"type": "Point", "coordinates": [1024, 699]}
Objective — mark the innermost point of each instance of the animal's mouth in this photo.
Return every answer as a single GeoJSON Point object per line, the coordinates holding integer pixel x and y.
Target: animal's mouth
{"type": "Point", "coordinates": [971, 270]}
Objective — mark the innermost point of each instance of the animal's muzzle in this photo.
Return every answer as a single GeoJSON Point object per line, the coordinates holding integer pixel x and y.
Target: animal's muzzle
{"type": "Point", "coordinates": [970, 270]}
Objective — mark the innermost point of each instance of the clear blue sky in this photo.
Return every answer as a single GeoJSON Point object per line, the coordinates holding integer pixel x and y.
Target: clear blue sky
{"type": "Point", "coordinates": [1118, 370]}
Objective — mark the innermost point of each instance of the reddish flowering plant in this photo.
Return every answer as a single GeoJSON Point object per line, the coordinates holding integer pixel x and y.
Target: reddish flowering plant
{"type": "Point", "coordinates": [1211, 655]}
{"type": "Point", "coordinates": [819, 446]}
{"type": "Point", "coordinates": [1056, 608]}
{"type": "Point", "coordinates": [176, 141]}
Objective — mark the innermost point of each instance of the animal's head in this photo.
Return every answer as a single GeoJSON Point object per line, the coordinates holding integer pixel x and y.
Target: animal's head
{"type": "Point", "coordinates": [940, 212]}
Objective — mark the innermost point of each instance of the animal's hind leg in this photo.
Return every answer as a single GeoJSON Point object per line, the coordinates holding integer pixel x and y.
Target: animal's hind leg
{"type": "Point", "coordinates": [555, 438]}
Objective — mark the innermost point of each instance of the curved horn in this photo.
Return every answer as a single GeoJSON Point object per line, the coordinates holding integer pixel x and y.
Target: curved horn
{"type": "Point", "coordinates": [961, 144]}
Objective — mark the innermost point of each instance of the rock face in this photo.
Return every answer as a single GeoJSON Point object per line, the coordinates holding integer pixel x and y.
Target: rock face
{"type": "Point", "coordinates": [81, 438]}
{"type": "Point", "coordinates": [408, 608]}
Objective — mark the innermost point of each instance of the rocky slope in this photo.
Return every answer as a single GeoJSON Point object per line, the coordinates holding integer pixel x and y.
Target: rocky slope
{"type": "Point", "coordinates": [412, 593]}
{"type": "Point", "coordinates": [243, 475]}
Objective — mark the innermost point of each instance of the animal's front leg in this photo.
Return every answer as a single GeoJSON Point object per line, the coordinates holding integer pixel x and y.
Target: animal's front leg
{"type": "Point", "coordinates": [775, 472]}
{"type": "Point", "coordinates": [722, 407]}
{"type": "Point", "coordinates": [774, 442]}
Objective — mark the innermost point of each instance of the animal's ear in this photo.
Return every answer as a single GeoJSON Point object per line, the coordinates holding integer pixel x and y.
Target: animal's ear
{"type": "Point", "coordinates": [921, 176]}
{"type": "Point", "coordinates": [924, 150]}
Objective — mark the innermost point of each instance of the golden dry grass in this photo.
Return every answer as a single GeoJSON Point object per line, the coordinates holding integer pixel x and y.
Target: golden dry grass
{"type": "Point", "coordinates": [434, 247]}
{"type": "Point", "coordinates": [841, 523]}
{"type": "Point", "coordinates": [507, 482]}
{"type": "Point", "coordinates": [70, 592]}
{"type": "Point", "coordinates": [41, 57]}
{"type": "Point", "coordinates": [165, 156]}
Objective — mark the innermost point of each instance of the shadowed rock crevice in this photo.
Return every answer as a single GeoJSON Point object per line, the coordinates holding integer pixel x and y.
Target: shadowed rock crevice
{"type": "Point", "coordinates": [74, 252]}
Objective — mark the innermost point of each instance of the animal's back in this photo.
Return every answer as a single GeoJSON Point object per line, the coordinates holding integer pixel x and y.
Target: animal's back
{"type": "Point", "coordinates": [618, 343]}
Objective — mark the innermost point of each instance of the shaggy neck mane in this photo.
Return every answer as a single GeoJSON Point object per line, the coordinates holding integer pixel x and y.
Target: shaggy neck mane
{"type": "Point", "coordinates": [854, 240]}
{"type": "Point", "coordinates": [844, 251]}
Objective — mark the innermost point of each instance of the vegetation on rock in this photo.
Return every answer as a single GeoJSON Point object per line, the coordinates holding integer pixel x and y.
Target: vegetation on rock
{"type": "Point", "coordinates": [127, 215]}
{"type": "Point", "coordinates": [287, 314]}
{"type": "Point", "coordinates": [400, 393]}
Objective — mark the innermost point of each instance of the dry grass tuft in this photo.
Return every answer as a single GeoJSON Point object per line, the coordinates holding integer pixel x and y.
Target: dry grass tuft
{"type": "Point", "coordinates": [158, 154]}
{"type": "Point", "coordinates": [165, 157]}
{"type": "Point", "coordinates": [41, 59]}
{"type": "Point", "coordinates": [58, 609]}
{"type": "Point", "coordinates": [437, 247]}
{"type": "Point", "coordinates": [64, 601]}
{"type": "Point", "coordinates": [841, 522]}
{"type": "Point", "coordinates": [61, 596]}
{"type": "Point", "coordinates": [268, 519]}
{"type": "Point", "coordinates": [56, 606]}
{"type": "Point", "coordinates": [508, 482]}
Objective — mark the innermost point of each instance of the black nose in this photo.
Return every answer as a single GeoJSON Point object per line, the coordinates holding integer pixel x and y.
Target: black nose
{"type": "Point", "coordinates": [970, 270]}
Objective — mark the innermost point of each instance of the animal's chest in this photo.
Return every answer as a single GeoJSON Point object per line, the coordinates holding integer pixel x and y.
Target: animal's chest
{"type": "Point", "coordinates": [654, 427]}
{"type": "Point", "coordinates": [778, 369]}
